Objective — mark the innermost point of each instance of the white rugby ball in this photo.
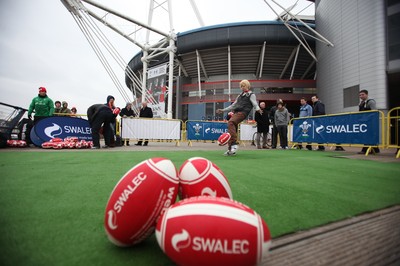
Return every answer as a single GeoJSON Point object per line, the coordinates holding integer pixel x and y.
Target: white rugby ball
{"type": "Point", "coordinates": [200, 177]}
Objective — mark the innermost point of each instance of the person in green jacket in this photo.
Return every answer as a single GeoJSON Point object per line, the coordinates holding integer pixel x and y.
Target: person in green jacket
{"type": "Point", "coordinates": [42, 105]}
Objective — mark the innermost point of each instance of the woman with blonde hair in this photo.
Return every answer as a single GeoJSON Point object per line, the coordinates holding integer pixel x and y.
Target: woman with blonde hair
{"type": "Point", "coordinates": [241, 108]}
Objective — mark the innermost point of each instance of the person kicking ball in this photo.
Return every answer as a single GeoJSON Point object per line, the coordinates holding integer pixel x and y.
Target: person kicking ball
{"type": "Point", "coordinates": [241, 108]}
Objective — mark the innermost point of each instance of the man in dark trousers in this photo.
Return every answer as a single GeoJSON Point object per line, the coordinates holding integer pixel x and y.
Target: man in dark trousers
{"type": "Point", "coordinates": [262, 120]}
{"type": "Point", "coordinates": [125, 113]}
{"type": "Point", "coordinates": [274, 128]}
{"type": "Point", "coordinates": [366, 104]}
{"type": "Point", "coordinates": [145, 112]}
{"type": "Point", "coordinates": [318, 109]}
{"type": "Point", "coordinates": [98, 115]}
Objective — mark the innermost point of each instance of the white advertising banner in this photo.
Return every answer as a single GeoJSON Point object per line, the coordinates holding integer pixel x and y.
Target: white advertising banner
{"type": "Point", "coordinates": [140, 128]}
{"type": "Point", "coordinates": [247, 131]}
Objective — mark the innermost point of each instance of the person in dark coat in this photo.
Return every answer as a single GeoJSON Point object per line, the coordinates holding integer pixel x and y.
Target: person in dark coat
{"type": "Point", "coordinates": [98, 115]}
{"type": "Point", "coordinates": [111, 104]}
{"type": "Point", "coordinates": [125, 113]}
{"type": "Point", "coordinates": [145, 112]}
{"type": "Point", "coordinates": [318, 109]}
{"type": "Point", "coordinates": [262, 120]}
{"type": "Point", "coordinates": [274, 128]}
{"type": "Point", "coordinates": [366, 104]}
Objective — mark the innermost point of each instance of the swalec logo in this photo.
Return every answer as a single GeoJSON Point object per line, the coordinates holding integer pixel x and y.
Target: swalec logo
{"type": "Point", "coordinates": [320, 129]}
{"type": "Point", "coordinates": [180, 240]}
{"type": "Point", "coordinates": [53, 131]}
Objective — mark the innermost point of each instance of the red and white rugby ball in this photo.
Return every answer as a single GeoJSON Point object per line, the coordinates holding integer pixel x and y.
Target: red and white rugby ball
{"type": "Point", "coordinates": [201, 177]}
{"type": "Point", "coordinates": [22, 143]}
{"type": "Point", "coordinates": [224, 139]}
{"type": "Point", "coordinates": [213, 231]}
{"type": "Point", "coordinates": [47, 145]}
{"type": "Point", "coordinates": [138, 199]}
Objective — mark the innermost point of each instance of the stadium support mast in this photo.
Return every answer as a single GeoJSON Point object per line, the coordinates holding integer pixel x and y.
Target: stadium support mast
{"type": "Point", "coordinates": [290, 28]}
{"type": "Point", "coordinates": [166, 45]}
{"type": "Point", "coordinates": [171, 49]}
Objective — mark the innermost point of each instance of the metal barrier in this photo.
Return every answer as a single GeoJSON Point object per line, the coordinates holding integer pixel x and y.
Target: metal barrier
{"type": "Point", "coordinates": [392, 131]}
{"type": "Point", "coordinates": [345, 129]}
{"type": "Point", "coordinates": [246, 131]}
{"type": "Point", "coordinates": [153, 129]}
{"type": "Point", "coordinates": [204, 130]}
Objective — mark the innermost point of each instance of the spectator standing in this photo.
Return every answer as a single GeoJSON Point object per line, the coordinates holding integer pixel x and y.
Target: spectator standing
{"type": "Point", "coordinates": [305, 111]}
{"type": "Point", "coordinates": [111, 104]}
{"type": "Point", "coordinates": [65, 110]}
{"type": "Point", "coordinates": [125, 113]}
{"type": "Point", "coordinates": [98, 115]}
{"type": "Point", "coordinates": [262, 120]}
{"type": "Point", "coordinates": [282, 118]}
{"type": "Point", "coordinates": [145, 112]}
{"type": "Point", "coordinates": [43, 107]}
{"type": "Point", "coordinates": [318, 109]}
{"type": "Point", "coordinates": [57, 108]}
{"type": "Point", "coordinates": [274, 129]}
{"type": "Point", "coordinates": [74, 112]}
{"type": "Point", "coordinates": [366, 104]}
{"type": "Point", "coordinates": [244, 103]}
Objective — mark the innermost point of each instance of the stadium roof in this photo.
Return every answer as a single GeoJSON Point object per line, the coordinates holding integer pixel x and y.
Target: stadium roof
{"type": "Point", "coordinates": [266, 49]}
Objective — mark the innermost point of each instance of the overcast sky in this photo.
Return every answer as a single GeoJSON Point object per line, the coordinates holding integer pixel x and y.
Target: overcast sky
{"type": "Point", "coordinates": [41, 45]}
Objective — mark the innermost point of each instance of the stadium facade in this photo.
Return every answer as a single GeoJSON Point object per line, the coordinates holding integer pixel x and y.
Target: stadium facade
{"type": "Point", "coordinates": [366, 55]}
{"type": "Point", "coordinates": [212, 60]}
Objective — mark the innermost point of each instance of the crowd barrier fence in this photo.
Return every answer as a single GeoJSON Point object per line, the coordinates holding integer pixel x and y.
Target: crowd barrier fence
{"type": "Point", "coordinates": [393, 132]}
{"type": "Point", "coordinates": [371, 129]}
{"type": "Point", "coordinates": [152, 129]}
{"type": "Point", "coordinates": [357, 129]}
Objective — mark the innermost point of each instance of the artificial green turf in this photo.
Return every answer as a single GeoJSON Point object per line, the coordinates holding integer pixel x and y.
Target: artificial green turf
{"type": "Point", "coordinates": [52, 203]}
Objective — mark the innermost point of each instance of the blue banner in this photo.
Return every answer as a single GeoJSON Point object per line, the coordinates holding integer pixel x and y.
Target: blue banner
{"type": "Point", "coordinates": [203, 130]}
{"type": "Point", "coordinates": [60, 127]}
{"type": "Point", "coordinates": [355, 128]}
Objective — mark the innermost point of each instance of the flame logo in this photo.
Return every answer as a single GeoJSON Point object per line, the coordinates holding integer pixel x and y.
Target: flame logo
{"type": "Point", "coordinates": [180, 240]}
{"type": "Point", "coordinates": [320, 129]}
{"type": "Point", "coordinates": [111, 220]}
{"type": "Point", "coordinates": [207, 130]}
{"type": "Point", "coordinates": [53, 131]}
{"type": "Point", "coordinates": [208, 192]}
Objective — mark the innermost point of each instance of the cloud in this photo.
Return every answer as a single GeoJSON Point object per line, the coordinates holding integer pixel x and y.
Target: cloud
{"type": "Point", "coordinates": [41, 45]}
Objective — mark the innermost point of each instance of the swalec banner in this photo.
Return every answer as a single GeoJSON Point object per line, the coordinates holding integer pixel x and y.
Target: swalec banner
{"type": "Point", "coordinates": [354, 128]}
{"type": "Point", "coordinates": [203, 130]}
{"type": "Point", "coordinates": [60, 127]}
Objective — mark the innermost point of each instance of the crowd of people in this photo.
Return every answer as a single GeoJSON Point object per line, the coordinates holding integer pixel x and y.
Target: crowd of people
{"type": "Point", "coordinates": [102, 117]}
{"type": "Point", "coordinates": [279, 118]}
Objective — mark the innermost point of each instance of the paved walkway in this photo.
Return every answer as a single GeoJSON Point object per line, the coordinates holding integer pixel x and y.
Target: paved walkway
{"type": "Point", "coordinates": [368, 239]}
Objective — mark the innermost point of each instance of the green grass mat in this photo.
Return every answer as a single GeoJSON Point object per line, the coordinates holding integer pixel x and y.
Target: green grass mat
{"type": "Point", "coordinates": [52, 203]}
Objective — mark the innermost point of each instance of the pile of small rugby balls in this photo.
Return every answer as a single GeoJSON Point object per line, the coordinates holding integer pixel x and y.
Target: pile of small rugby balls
{"type": "Point", "coordinates": [16, 143]}
{"type": "Point", "coordinates": [207, 227]}
{"type": "Point", "coordinates": [67, 143]}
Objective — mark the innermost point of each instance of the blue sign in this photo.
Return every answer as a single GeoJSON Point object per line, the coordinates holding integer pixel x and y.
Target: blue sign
{"type": "Point", "coordinates": [60, 127]}
{"type": "Point", "coordinates": [357, 128]}
{"type": "Point", "coordinates": [203, 130]}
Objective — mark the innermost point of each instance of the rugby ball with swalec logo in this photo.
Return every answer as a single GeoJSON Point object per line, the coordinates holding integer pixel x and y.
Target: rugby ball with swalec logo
{"type": "Point", "coordinates": [213, 231]}
{"type": "Point", "coordinates": [138, 199]}
{"type": "Point", "coordinates": [224, 139]}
